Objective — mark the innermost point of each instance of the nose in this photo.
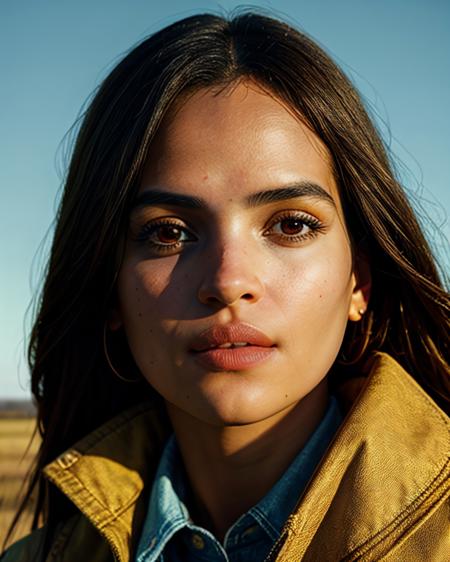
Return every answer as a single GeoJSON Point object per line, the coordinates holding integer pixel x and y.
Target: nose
{"type": "Point", "coordinates": [230, 278]}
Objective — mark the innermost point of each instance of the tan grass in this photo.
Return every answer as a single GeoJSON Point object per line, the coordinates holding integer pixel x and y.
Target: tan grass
{"type": "Point", "coordinates": [15, 460]}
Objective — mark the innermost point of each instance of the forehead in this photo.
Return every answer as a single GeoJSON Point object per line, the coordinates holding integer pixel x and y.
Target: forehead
{"type": "Point", "coordinates": [241, 138]}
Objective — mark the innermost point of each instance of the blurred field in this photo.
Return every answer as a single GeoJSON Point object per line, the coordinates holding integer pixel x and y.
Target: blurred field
{"type": "Point", "coordinates": [15, 460]}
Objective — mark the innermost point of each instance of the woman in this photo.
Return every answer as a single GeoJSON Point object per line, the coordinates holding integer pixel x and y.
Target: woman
{"type": "Point", "coordinates": [239, 290]}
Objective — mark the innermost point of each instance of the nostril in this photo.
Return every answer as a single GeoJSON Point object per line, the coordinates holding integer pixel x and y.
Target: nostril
{"type": "Point", "coordinates": [224, 300]}
{"type": "Point", "coordinates": [220, 291]}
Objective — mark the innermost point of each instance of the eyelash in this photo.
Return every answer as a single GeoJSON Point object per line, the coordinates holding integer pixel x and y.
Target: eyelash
{"type": "Point", "coordinates": [150, 228]}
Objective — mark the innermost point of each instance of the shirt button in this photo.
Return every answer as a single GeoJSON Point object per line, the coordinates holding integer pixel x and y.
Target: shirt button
{"type": "Point", "coordinates": [198, 542]}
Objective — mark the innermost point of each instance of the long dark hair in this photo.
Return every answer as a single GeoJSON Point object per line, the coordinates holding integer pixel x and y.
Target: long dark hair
{"type": "Point", "coordinates": [72, 382]}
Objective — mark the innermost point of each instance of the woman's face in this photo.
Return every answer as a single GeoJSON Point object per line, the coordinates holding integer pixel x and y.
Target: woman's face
{"type": "Point", "coordinates": [237, 227]}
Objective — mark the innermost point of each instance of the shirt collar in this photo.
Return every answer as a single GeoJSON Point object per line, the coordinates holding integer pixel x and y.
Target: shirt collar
{"type": "Point", "coordinates": [168, 513]}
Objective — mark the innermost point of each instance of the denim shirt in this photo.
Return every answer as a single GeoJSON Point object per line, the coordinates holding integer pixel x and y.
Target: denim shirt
{"type": "Point", "coordinates": [169, 534]}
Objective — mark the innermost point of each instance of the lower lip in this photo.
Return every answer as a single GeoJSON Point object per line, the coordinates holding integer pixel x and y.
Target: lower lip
{"type": "Point", "coordinates": [233, 359]}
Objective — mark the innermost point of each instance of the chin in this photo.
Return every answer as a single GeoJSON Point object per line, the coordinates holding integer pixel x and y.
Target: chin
{"type": "Point", "coordinates": [237, 411]}
{"type": "Point", "coordinates": [232, 399]}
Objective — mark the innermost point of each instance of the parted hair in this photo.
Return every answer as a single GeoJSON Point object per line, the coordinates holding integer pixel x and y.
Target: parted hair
{"type": "Point", "coordinates": [72, 383]}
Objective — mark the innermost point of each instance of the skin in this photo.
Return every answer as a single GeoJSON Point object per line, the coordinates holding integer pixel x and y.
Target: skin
{"type": "Point", "coordinates": [238, 263]}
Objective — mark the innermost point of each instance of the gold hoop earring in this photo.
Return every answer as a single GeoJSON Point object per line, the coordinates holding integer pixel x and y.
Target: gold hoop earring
{"type": "Point", "coordinates": [108, 360]}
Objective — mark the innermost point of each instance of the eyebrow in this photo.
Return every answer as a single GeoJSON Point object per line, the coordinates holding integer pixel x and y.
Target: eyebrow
{"type": "Point", "coordinates": [293, 191]}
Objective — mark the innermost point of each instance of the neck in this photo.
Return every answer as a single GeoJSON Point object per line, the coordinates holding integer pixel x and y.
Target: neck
{"type": "Point", "coordinates": [230, 468]}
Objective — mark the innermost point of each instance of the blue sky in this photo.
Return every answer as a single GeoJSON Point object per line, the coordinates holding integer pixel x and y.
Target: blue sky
{"type": "Point", "coordinates": [53, 53]}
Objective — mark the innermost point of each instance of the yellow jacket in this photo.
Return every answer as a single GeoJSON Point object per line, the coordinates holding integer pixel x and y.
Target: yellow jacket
{"type": "Point", "coordinates": [381, 492]}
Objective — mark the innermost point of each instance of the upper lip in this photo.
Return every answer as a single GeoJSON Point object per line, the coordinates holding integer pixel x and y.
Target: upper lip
{"type": "Point", "coordinates": [230, 333]}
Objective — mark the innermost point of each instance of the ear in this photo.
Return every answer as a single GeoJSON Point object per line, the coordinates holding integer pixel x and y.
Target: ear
{"type": "Point", "coordinates": [362, 280]}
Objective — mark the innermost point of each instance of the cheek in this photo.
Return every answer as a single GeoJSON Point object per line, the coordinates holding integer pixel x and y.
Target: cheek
{"type": "Point", "coordinates": [315, 282]}
{"type": "Point", "coordinates": [139, 295]}
{"type": "Point", "coordinates": [146, 291]}
{"type": "Point", "coordinates": [142, 294]}
{"type": "Point", "coordinates": [313, 302]}
{"type": "Point", "coordinates": [313, 297]}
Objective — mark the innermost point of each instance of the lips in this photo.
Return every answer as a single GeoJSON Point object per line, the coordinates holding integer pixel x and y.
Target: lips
{"type": "Point", "coordinates": [230, 334]}
{"type": "Point", "coordinates": [233, 347]}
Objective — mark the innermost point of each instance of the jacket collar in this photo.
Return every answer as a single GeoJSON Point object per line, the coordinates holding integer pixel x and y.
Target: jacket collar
{"type": "Point", "coordinates": [391, 453]}
{"type": "Point", "coordinates": [106, 473]}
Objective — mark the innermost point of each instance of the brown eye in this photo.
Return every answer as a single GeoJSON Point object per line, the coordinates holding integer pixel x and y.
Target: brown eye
{"type": "Point", "coordinates": [168, 234]}
{"type": "Point", "coordinates": [292, 225]}
{"type": "Point", "coordinates": [165, 235]}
